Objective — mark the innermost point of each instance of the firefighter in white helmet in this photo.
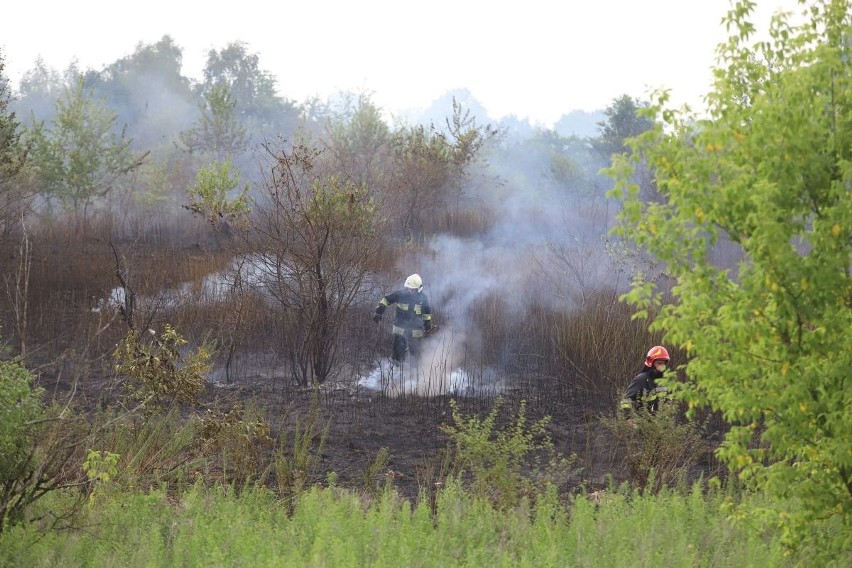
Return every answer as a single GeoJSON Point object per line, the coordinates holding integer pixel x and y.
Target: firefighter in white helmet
{"type": "Point", "coordinates": [413, 316]}
{"type": "Point", "coordinates": [643, 392]}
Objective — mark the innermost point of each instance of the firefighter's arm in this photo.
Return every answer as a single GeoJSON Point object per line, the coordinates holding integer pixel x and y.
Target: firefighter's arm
{"type": "Point", "coordinates": [634, 389]}
{"type": "Point", "coordinates": [380, 309]}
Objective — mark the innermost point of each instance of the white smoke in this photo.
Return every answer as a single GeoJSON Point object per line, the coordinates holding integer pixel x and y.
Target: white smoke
{"type": "Point", "coordinates": [545, 244]}
{"type": "Point", "coordinates": [436, 371]}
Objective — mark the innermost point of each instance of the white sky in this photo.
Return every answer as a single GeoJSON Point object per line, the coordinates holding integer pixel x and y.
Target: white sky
{"type": "Point", "coordinates": [537, 59]}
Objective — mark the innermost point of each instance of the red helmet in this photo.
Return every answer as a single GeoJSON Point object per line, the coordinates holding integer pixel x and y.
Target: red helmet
{"type": "Point", "coordinates": [656, 352]}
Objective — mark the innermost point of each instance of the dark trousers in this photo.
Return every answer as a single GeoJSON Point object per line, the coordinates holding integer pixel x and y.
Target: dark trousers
{"type": "Point", "coordinates": [401, 343]}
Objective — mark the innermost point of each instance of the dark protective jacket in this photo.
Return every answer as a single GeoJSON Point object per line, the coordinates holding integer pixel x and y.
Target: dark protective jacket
{"type": "Point", "coordinates": [644, 390]}
{"type": "Point", "coordinates": [412, 309]}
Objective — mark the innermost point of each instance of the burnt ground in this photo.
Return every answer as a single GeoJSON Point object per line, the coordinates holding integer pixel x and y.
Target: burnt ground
{"type": "Point", "coordinates": [362, 422]}
{"type": "Point", "coordinates": [366, 423]}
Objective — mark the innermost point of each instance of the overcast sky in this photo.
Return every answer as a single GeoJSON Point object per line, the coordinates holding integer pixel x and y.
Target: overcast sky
{"type": "Point", "coordinates": [536, 59]}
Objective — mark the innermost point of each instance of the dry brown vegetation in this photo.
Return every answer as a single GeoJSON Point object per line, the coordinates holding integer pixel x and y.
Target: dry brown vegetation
{"type": "Point", "coordinates": [569, 365]}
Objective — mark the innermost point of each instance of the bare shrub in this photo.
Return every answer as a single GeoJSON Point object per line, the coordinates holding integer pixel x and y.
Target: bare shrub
{"type": "Point", "coordinates": [430, 168]}
{"type": "Point", "coordinates": [309, 247]}
{"type": "Point", "coordinates": [17, 283]}
{"type": "Point", "coordinates": [432, 474]}
{"type": "Point", "coordinates": [16, 189]}
{"type": "Point", "coordinates": [463, 222]}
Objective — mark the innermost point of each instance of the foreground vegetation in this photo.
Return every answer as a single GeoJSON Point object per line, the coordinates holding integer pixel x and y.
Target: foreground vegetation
{"type": "Point", "coordinates": [217, 490]}
{"type": "Point", "coordinates": [217, 526]}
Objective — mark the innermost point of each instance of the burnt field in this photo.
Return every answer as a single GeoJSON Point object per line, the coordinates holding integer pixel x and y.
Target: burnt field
{"type": "Point", "coordinates": [364, 422]}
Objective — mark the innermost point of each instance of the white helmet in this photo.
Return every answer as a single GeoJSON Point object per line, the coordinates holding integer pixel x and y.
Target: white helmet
{"type": "Point", "coordinates": [414, 282]}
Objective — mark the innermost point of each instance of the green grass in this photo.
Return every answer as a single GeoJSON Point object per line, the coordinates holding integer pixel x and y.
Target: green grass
{"type": "Point", "coordinates": [332, 527]}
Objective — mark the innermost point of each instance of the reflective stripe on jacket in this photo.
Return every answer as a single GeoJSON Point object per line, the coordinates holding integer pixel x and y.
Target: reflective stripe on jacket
{"type": "Point", "coordinates": [412, 309]}
{"type": "Point", "coordinates": [414, 332]}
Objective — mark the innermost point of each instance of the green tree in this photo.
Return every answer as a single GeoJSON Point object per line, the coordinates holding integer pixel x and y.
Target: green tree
{"type": "Point", "coordinates": [430, 168]}
{"type": "Point", "coordinates": [769, 342]}
{"type": "Point", "coordinates": [210, 195]}
{"type": "Point", "coordinates": [218, 133]}
{"type": "Point", "coordinates": [421, 173]}
{"type": "Point", "coordinates": [80, 157]}
{"type": "Point", "coordinates": [258, 105]}
{"type": "Point", "coordinates": [151, 96]}
{"type": "Point", "coordinates": [623, 121]}
{"type": "Point", "coordinates": [13, 156]}
{"type": "Point", "coordinates": [358, 142]}
{"type": "Point", "coordinates": [148, 92]}
{"type": "Point", "coordinates": [238, 70]}
{"type": "Point", "coordinates": [39, 89]}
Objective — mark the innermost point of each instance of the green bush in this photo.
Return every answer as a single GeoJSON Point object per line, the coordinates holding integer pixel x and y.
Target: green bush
{"type": "Point", "coordinates": [238, 439]}
{"type": "Point", "coordinates": [20, 409]}
{"type": "Point", "coordinates": [298, 454]}
{"type": "Point", "coordinates": [158, 373]}
{"type": "Point", "coordinates": [21, 412]}
{"type": "Point", "coordinates": [659, 450]}
{"type": "Point", "coordinates": [505, 465]}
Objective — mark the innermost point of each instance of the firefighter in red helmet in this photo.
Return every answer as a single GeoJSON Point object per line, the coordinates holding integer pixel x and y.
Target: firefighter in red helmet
{"type": "Point", "coordinates": [643, 392]}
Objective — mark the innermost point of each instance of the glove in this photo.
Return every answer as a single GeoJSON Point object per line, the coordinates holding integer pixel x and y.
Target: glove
{"type": "Point", "coordinates": [377, 318]}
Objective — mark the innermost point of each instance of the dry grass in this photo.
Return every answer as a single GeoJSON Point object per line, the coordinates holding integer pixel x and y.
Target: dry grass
{"type": "Point", "coordinates": [463, 222]}
{"type": "Point", "coordinates": [570, 364]}
{"type": "Point", "coordinates": [588, 353]}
